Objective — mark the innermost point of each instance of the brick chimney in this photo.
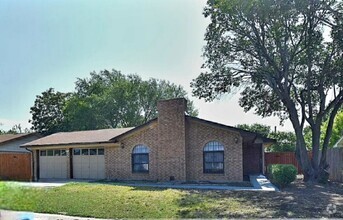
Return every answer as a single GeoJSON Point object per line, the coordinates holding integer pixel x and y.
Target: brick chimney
{"type": "Point", "coordinates": [172, 139]}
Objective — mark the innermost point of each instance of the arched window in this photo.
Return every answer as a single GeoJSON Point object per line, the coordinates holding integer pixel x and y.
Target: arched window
{"type": "Point", "coordinates": [214, 157]}
{"type": "Point", "coordinates": [140, 159]}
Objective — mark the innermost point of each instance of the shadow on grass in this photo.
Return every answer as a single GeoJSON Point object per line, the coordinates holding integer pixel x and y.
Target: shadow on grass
{"type": "Point", "coordinates": [300, 200]}
{"type": "Point", "coordinates": [297, 201]}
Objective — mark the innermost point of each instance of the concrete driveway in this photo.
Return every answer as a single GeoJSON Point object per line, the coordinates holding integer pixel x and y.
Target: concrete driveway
{"type": "Point", "coordinates": [52, 182]}
{"type": "Point", "coordinates": [40, 184]}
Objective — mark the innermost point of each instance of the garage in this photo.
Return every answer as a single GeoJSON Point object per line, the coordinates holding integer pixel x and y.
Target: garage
{"type": "Point", "coordinates": [53, 164]}
{"type": "Point", "coordinates": [88, 163]}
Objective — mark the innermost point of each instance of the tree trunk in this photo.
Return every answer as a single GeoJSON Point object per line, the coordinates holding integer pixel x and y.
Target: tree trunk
{"type": "Point", "coordinates": [300, 151]}
{"type": "Point", "coordinates": [315, 151]}
{"type": "Point", "coordinates": [303, 159]}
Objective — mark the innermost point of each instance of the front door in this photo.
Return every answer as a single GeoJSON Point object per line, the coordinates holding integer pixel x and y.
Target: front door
{"type": "Point", "coordinates": [252, 159]}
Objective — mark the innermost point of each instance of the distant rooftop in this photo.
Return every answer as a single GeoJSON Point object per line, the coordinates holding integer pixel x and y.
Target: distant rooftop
{"type": "Point", "coordinates": [10, 137]}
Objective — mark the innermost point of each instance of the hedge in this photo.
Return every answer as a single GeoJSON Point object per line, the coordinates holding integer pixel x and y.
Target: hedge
{"type": "Point", "coordinates": [282, 174]}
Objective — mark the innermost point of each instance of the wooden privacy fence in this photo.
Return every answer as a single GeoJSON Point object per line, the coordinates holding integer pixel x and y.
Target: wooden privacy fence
{"type": "Point", "coordinates": [334, 157]}
{"type": "Point", "coordinates": [15, 166]}
{"type": "Point", "coordinates": [282, 158]}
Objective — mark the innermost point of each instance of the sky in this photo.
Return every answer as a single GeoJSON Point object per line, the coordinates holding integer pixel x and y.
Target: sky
{"type": "Point", "coordinates": [51, 43]}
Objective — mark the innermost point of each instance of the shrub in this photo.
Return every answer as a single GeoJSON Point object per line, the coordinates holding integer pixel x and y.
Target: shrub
{"type": "Point", "coordinates": [282, 174]}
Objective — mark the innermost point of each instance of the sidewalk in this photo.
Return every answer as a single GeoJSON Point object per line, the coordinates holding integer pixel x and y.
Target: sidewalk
{"type": "Point", "coordinates": [260, 183]}
{"type": "Point", "coordinates": [15, 215]}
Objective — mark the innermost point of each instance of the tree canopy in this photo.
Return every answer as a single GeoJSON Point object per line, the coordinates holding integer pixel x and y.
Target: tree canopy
{"type": "Point", "coordinates": [286, 57]}
{"type": "Point", "coordinates": [337, 129]}
{"type": "Point", "coordinates": [47, 112]}
{"type": "Point", "coordinates": [107, 99]}
{"type": "Point", "coordinates": [16, 129]}
{"type": "Point", "coordinates": [285, 140]}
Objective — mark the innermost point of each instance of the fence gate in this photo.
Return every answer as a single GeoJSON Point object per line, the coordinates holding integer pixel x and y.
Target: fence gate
{"type": "Point", "coordinates": [15, 166]}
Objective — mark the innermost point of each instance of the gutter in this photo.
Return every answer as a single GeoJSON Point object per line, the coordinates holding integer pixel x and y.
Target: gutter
{"type": "Point", "coordinates": [32, 163]}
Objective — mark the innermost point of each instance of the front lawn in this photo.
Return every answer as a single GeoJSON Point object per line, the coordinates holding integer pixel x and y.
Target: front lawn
{"type": "Point", "coordinates": [110, 201]}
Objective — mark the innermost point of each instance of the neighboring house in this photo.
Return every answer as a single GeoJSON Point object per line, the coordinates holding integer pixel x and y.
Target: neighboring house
{"type": "Point", "coordinates": [15, 162]}
{"type": "Point", "coordinates": [173, 146]}
{"type": "Point", "coordinates": [339, 143]}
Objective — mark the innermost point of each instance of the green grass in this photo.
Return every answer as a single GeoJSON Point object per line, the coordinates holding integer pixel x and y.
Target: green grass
{"type": "Point", "coordinates": [115, 201]}
{"type": "Point", "coordinates": [109, 201]}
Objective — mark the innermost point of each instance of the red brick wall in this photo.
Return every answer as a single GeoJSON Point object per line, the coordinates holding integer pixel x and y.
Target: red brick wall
{"type": "Point", "coordinates": [199, 134]}
{"type": "Point", "coordinates": [118, 159]}
{"type": "Point", "coordinates": [172, 139]}
{"type": "Point", "coordinates": [176, 148]}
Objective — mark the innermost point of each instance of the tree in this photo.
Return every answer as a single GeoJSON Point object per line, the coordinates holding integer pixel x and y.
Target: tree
{"type": "Point", "coordinates": [257, 128]}
{"type": "Point", "coordinates": [109, 99]}
{"type": "Point", "coordinates": [279, 55]}
{"type": "Point", "coordinates": [337, 129]}
{"type": "Point", "coordinates": [16, 129]}
{"type": "Point", "coordinates": [285, 141]}
{"type": "Point", "coordinates": [105, 100]}
{"type": "Point", "coordinates": [47, 112]}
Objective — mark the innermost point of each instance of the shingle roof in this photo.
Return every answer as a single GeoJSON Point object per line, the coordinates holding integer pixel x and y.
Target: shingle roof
{"type": "Point", "coordinates": [248, 135]}
{"type": "Point", "coordinates": [245, 134]}
{"type": "Point", "coordinates": [10, 137]}
{"type": "Point", "coordinates": [78, 137]}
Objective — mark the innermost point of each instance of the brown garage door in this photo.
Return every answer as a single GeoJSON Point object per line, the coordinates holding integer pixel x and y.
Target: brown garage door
{"type": "Point", "coordinates": [15, 166]}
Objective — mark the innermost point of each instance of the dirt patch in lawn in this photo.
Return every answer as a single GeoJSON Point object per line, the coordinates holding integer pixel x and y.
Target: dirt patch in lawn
{"type": "Point", "coordinates": [300, 200]}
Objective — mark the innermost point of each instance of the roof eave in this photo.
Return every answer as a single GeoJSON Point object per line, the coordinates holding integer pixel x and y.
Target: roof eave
{"type": "Point", "coordinates": [257, 135]}
{"type": "Point", "coordinates": [115, 139]}
{"type": "Point", "coordinates": [22, 137]}
{"type": "Point", "coordinates": [66, 144]}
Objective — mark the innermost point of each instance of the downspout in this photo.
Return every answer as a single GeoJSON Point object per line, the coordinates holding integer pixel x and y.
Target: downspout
{"type": "Point", "coordinates": [32, 164]}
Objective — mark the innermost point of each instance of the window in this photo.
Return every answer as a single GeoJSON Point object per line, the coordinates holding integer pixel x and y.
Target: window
{"type": "Point", "coordinates": [43, 153]}
{"type": "Point", "coordinates": [77, 151]}
{"type": "Point", "coordinates": [57, 152]}
{"type": "Point", "coordinates": [84, 152]}
{"type": "Point", "coordinates": [50, 152]}
{"type": "Point", "coordinates": [214, 157]}
{"type": "Point", "coordinates": [100, 151]}
{"type": "Point", "coordinates": [140, 159]}
{"type": "Point", "coordinates": [92, 151]}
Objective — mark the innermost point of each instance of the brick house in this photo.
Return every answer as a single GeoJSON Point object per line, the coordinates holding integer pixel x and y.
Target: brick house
{"type": "Point", "coordinates": [173, 146]}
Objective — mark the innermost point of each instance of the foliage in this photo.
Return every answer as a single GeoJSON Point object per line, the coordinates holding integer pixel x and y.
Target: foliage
{"type": "Point", "coordinates": [337, 129]}
{"type": "Point", "coordinates": [47, 112]}
{"type": "Point", "coordinates": [285, 141]}
{"type": "Point", "coordinates": [111, 99]}
{"type": "Point", "coordinates": [16, 129]}
{"type": "Point", "coordinates": [262, 129]}
{"type": "Point", "coordinates": [107, 99]}
{"type": "Point", "coordinates": [282, 174]}
{"type": "Point", "coordinates": [286, 57]}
